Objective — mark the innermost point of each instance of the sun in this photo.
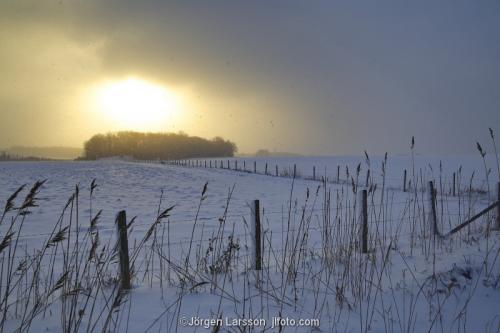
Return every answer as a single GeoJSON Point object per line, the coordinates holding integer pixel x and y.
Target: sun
{"type": "Point", "coordinates": [135, 104]}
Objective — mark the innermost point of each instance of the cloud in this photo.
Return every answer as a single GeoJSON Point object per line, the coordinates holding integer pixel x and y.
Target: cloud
{"type": "Point", "coordinates": [329, 76]}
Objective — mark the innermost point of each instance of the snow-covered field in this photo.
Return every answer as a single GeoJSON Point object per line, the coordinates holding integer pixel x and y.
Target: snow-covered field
{"type": "Point", "coordinates": [196, 264]}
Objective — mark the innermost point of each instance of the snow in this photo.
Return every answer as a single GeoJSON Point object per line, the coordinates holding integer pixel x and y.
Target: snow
{"type": "Point", "coordinates": [406, 282]}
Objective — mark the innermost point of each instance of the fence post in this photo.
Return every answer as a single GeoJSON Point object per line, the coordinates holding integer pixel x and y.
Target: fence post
{"type": "Point", "coordinates": [498, 206]}
{"type": "Point", "coordinates": [454, 179]}
{"type": "Point", "coordinates": [432, 198]}
{"type": "Point", "coordinates": [404, 181]}
{"type": "Point", "coordinates": [266, 170]}
{"type": "Point", "coordinates": [205, 164]}
{"type": "Point", "coordinates": [236, 165]}
{"type": "Point", "coordinates": [221, 164]}
{"type": "Point", "coordinates": [364, 221]}
{"type": "Point", "coordinates": [367, 178]}
{"type": "Point", "coordinates": [314, 172]}
{"type": "Point", "coordinates": [228, 165]}
{"type": "Point", "coordinates": [254, 167]}
{"type": "Point", "coordinates": [338, 173]}
{"type": "Point", "coordinates": [277, 174]}
{"type": "Point", "coordinates": [257, 235]}
{"type": "Point", "coordinates": [244, 166]}
{"type": "Point", "coordinates": [294, 170]}
{"type": "Point", "coordinates": [121, 224]}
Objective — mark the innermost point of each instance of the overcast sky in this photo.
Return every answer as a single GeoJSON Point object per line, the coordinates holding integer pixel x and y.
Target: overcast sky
{"type": "Point", "coordinates": [313, 77]}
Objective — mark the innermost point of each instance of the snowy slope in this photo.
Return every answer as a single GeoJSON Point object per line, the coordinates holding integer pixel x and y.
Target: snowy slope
{"type": "Point", "coordinates": [312, 265]}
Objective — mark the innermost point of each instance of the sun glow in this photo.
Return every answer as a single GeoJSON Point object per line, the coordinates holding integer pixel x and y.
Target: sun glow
{"type": "Point", "coordinates": [134, 104]}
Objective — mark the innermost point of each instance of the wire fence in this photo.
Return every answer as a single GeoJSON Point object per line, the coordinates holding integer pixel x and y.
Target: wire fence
{"type": "Point", "coordinates": [455, 181]}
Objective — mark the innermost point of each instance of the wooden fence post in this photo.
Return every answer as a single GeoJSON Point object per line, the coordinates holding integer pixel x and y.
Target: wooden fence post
{"type": "Point", "coordinates": [364, 221]}
{"type": "Point", "coordinates": [257, 235]}
{"type": "Point", "coordinates": [454, 180]}
{"type": "Point", "coordinates": [228, 165]}
{"type": "Point", "coordinates": [244, 165]}
{"type": "Point", "coordinates": [254, 167]}
{"type": "Point", "coordinates": [121, 224]}
{"type": "Point", "coordinates": [265, 172]}
{"type": "Point", "coordinates": [404, 181]}
{"type": "Point", "coordinates": [277, 173]}
{"type": "Point", "coordinates": [294, 170]}
{"type": "Point", "coordinates": [314, 172]}
{"type": "Point", "coordinates": [432, 198]}
{"type": "Point", "coordinates": [498, 206]}
{"type": "Point", "coordinates": [236, 165]}
{"type": "Point", "coordinates": [338, 173]}
{"type": "Point", "coordinates": [205, 164]}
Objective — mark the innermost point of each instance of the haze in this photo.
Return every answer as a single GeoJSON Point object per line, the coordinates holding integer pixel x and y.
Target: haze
{"type": "Point", "coordinates": [312, 77]}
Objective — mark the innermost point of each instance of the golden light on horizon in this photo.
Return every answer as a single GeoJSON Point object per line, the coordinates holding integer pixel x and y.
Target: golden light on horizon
{"type": "Point", "coordinates": [135, 104]}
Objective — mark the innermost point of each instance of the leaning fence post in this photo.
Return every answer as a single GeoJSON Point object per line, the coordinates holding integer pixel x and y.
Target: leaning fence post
{"type": "Point", "coordinates": [404, 181]}
{"type": "Point", "coordinates": [432, 198]}
{"type": "Point", "coordinates": [257, 235]}
{"type": "Point", "coordinates": [367, 178]}
{"type": "Point", "coordinates": [121, 224]}
{"type": "Point", "coordinates": [364, 222]}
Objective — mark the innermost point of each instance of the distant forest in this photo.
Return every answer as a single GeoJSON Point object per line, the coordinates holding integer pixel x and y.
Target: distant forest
{"type": "Point", "coordinates": [152, 146]}
{"type": "Point", "coordinates": [4, 156]}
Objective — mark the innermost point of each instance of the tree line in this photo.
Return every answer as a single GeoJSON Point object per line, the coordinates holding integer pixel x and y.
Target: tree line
{"type": "Point", "coordinates": [4, 156]}
{"type": "Point", "coordinates": [152, 146]}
